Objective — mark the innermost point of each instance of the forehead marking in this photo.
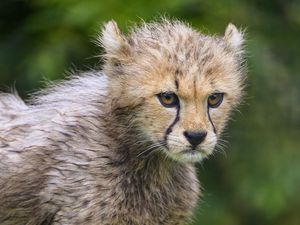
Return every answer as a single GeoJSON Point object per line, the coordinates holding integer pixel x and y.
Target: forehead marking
{"type": "Point", "coordinates": [176, 75]}
{"type": "Point", "coordinates": [195, 88]}
{"type": "Point", "coordinates": [176, 84]}
{"type": "Point", "coordinates": [206, 57]}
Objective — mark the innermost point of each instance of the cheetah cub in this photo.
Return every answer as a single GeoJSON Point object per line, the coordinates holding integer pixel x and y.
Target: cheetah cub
{"type": "Point", "coordinates": [118, 146]}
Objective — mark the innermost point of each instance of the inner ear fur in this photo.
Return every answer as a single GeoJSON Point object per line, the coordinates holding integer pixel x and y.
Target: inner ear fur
{"type": "Point", "coordinates": [114, 42]}
{"type": "Point", "coordinates": [234, 38]}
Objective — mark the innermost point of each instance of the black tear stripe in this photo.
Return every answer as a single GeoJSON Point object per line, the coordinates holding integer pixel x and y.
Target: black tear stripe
{"type": "Point", "coordinates": [170, 128]}
{"type": "Point", "coordinates": [214, 128]}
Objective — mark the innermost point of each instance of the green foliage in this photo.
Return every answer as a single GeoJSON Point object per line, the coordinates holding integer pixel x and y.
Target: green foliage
{"type": "Point", "coordinates": [257, 181]}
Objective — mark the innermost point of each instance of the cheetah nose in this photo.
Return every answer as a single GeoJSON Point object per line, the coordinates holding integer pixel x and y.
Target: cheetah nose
{"type": "Point", "coordinates": [195, 138]}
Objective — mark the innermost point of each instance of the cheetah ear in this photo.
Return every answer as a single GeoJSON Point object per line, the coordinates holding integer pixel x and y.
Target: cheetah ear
{"type": "Point", "coordinates": [113, 41]}
{"type": "Point", "coordinates": [234, 38]}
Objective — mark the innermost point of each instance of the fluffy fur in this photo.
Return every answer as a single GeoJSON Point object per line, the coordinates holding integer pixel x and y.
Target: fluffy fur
{"type": "Point", "coordinates": [100, 149]}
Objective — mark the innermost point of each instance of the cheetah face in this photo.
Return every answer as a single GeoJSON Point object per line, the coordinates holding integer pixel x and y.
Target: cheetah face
{"type": "Point", "coordinates": [180, 84]}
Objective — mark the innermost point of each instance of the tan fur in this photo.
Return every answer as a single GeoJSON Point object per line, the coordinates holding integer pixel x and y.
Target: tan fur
{"type": "Point", "coordinates": [100, 149]}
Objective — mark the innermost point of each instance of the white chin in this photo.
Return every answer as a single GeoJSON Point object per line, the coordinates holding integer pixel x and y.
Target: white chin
{"type": "Point", "coordinates": [188, 157]}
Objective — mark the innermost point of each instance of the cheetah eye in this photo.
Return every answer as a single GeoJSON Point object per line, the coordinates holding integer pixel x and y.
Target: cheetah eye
{"type": "Point", "coordinates": [215, 100]}
{"type": "Point", "coordinates": [168, 99]}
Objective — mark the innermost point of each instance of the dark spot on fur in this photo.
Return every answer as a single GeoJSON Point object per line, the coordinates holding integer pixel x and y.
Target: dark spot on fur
{"type": "Point", "coordinates": [188, 54]}
{"type": "Point", "coordinates": [209, 71]}
{"type": "Point", "coordinates": [103, 204]}
{"type": "Point", "coordinates": [85, 203]}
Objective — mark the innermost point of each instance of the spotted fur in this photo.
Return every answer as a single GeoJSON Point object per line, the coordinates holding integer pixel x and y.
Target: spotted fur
{"type": "Point", "coordinates": [99, 149]}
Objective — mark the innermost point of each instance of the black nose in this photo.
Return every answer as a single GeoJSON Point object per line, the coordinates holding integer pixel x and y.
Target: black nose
{"type": "Point", "coordinates": [195, 138]}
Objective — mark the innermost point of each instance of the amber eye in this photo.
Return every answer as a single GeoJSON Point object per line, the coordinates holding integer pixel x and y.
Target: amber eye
{"type": "Point", "coordinates": [168, 99]}
{"type": "Point", "coordinates": [215, 100]}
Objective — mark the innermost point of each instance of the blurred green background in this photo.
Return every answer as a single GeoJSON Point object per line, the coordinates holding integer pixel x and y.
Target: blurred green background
{"type": "Point", "coordinates": [257, 181]}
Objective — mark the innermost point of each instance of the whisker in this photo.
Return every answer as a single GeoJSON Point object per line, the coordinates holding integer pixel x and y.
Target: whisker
{"type": "Point", "coordinates": [150, 148]}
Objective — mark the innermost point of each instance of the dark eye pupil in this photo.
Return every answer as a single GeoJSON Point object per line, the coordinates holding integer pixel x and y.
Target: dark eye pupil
{"type": "Point", "coordinates": [168, 99]}
{"type": "Point", "coordinates": [215, 100]}
{"type": "Point", "coordinates": [213, 97]}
